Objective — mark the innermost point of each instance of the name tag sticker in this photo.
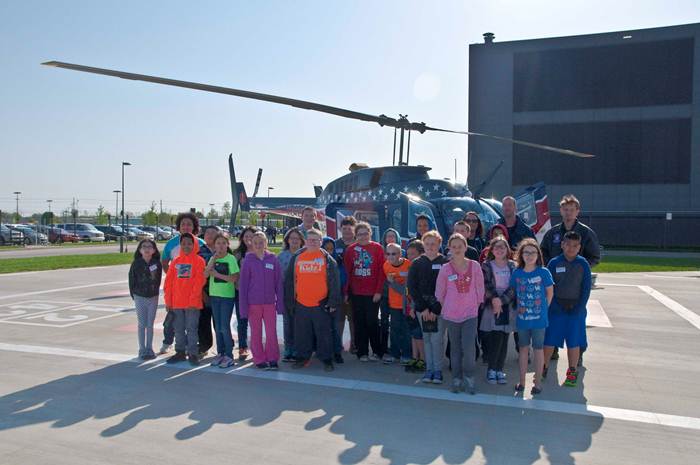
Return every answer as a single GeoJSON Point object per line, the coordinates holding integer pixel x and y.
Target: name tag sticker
{"type": "Point", "coordinates": [339, 250]}
{"type": "Point", "coordinates": [269, 266]}
{"type": "Point", "coordinates": [452, 277]}
{"type": "Point", "coordinates": [153, 267]}
{"type": "Point", "coordinates": [561, 269]}
{"type": "Point", "coordinates": [437, 266]}
{"type": "Point", "coordinates": [403, 273]}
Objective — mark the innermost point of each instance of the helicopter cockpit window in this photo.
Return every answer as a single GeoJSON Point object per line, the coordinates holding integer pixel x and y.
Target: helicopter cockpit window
{"type": "Point", "coordinates": [395, 218]}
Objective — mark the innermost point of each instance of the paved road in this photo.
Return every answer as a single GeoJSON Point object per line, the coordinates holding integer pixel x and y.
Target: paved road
{"type": "Point", "coordinates": [50, 251]}
{"type": "Point", "coordinates": [71, 392]}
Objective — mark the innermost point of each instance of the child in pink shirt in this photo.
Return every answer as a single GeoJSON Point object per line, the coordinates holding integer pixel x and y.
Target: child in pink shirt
{"type": "Point", "coordinates": [460, 290]}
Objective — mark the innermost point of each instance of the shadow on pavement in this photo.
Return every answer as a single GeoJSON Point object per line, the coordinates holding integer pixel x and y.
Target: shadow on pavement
{"type": "Point", "coordinates": [403, 429]}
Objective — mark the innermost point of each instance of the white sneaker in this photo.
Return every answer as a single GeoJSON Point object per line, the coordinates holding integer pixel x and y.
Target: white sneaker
{"type": "Point", "coordinates": [469, 385]}
{"type": "Point", "coordinates": [373, 358]}
{"type": "Point", "coordinates": [388, 359]}
{"type": "Point", "coordinates": [164, 349]}
{"type": "Point", "coordinates": [364, 358]}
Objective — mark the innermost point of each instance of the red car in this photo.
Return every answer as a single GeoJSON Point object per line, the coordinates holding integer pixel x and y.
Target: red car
{"type": "Point", "coordinates": [58, 236]}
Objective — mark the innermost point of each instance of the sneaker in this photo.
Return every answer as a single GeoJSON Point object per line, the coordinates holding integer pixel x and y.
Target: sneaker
{"type": "Point", "coordinates": [544, 372]}
{"type": "Point", "coordinates": [437, 377]}
{"type": "Point", "coordinates": [226, 362]}
{"type": "Point", "coordinates": [491, 377]}
{"type": "Point", "coordinates": [405, 361]}
{"type": "Point", "coordinates": [427, 377]}
{"type": "Point", "coordinates": [571, 377]}
{"type": "Point", "coordinates": [287, 357]}
{"type": "Point", "coordinates": [373, 358]}
{"type": "Point", "coordinates": [420, 365]}
{"type": "Point", "coordinates": [301, 363]}
{"type": "Point", "coordinates": [519, 388]}
{"type": "Point", "coordinates": [243, 354]}
{"type": "Point", "coordinates": [501, 377]}
{"type": "Point", "coordinates": [273, 366]}
{"type": "Point", "coordinates": [353, 350]}
{"type": "Point", "coordinates": [203, 354]}
{"type": "Point", "coordinates": [456, 386]}
{"type": "Point", "coordinates": [149, 356]}
{"type": "Point", "coordinates": [328, 366]}
{"type": "Point", "coordinates": [262, 366]}
{"type": "Point", "coordinates": [388, 359]}
{"type": "Point", "coordinates": [470, 385]}
{"type": "Point", "coordinates": [217, 361]}
{"type": "Point", "coordinates": [338, 358]}
{"type": "Point", "coordinates": [535, 390]}
{"type": "Point", "coordinates": [178, 357]}
{"type": "Point", "coordinates": [364, 358]}
{"type": "Point", "coordinates": [164, 349]}
{"type": "Point", "coordinates": [193, 359]}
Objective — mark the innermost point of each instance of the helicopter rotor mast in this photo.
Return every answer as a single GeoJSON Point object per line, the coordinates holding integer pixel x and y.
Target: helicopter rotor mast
{"type": "Point", "coordinates": [402, 123]}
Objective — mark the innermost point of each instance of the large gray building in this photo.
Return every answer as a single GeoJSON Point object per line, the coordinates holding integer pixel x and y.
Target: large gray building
{"type": "Point", "coordinates": [631, 98]}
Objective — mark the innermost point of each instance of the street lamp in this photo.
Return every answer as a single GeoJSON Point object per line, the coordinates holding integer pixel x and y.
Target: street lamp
{"type": "Point", "coordinates": [50, 214]}
{"type": "Point", "coordinates": [122, 246]}
{"type": "Point", "coordinates": [211, 207]}
{"type": "Point", "coordinates": [116, 206]}
{"type": "Point", "coordinates": [270, 188]}
{"type": "Point", "coordinates": [17, 193]}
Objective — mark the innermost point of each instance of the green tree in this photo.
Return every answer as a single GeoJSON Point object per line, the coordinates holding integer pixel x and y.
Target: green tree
{"type": "Point", "coordinates": [225, 211]}
{"type": "Point", "coordinates": [150, 218]}
{"type": "Point", "coordinates": [101, 217]}
{"type": "Point", "coordinates": [164, 218]}
{"type": "Point", "coordinates": [253, 218]}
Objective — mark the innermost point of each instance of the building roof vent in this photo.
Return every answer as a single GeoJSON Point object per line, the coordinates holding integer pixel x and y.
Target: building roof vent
{"type": "Point", "coordinates": [488, 37]}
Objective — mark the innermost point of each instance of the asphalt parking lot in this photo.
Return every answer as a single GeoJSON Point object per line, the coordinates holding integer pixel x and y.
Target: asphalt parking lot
{"type": "Point", "coordinates": [73, 392]}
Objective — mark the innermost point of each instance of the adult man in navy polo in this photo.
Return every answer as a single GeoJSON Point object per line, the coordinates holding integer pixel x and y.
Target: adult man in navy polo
{"type": "Point", "coordinates": [517, 229]}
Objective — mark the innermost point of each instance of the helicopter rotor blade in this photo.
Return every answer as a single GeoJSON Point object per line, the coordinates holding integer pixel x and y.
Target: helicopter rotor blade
{"type": "Point", "coordinates": [382, 120]}
{"type": "Point", "coordinates": [549, 148]}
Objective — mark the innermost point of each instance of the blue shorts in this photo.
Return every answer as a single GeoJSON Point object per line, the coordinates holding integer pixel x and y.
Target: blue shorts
{"type": "Point", "coordinates": [417, 333]}
{"type": "Point", "coordinates": [534, 337]}
{"type": "Point", "coordinates": [566, 327]}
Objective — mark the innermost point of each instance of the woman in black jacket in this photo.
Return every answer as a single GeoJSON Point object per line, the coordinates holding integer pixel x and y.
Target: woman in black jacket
{"type": "Point", "coordinates": [144, 286]}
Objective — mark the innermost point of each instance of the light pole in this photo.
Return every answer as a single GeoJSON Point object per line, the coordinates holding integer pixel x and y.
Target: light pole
{"type": "Point", "coordinates": [50, 214]}
{"type": "Point", "coordinates": [211, 207]}
{"type": "Point", "coordinates": [116, 206]}
{"type": "Point", "coordinates": [122, 246]}
{"type": "Point", "coordinates": [17, 193]}
{"type": "Point", "coordinates": [270, 188]}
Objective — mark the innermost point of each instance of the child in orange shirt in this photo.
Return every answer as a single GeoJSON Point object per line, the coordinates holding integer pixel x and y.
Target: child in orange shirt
{"type": "Point", "coordinates": [396, 271]}
{"type": "Point", "coordinates": [183, 296]}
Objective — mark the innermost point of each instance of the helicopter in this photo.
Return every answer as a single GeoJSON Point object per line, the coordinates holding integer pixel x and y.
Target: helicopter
{"type": "Point", "coordinates": [388, 196]}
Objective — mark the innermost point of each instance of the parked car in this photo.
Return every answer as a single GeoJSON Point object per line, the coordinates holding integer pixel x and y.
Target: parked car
{"type": "Point", "coordinates": [86, 231]}
{"type": "Point", "coordinates": [113, 233]}
{"type": "Point", "coordinates": [31, 236]}
{"type": "Point", "coordinates": [140, 235]}
{"type": "Point", "coordinates": [159, 232]}
{"type": "Point", "coordinates": [59, 236]}
{"type": "Point", "coordinates": [10, 236]}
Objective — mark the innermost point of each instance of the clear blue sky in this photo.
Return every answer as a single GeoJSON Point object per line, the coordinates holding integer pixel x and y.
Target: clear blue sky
{"type": "Point", "coordinates": [64, 134]}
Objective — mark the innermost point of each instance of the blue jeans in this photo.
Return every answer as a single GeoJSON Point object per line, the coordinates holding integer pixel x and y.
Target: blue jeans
{"type": "Point", "coordinates": [241, 327]}
{"type": "Point", "coordinates": [400, 339]}
{"type": "Point", "coordinates": [221, 310]}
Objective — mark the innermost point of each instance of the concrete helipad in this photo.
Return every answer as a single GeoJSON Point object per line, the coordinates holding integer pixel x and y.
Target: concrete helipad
{"type": "Point", "coordinates": [72, 392]}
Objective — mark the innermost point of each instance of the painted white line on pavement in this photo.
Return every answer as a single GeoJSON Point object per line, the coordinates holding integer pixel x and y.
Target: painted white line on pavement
{"type": "Point", "coordinates": [596, 315]}
{"type": "Point", "coordinates": [61, 289]}
{"type": "Point", "coordinates": [692, 278]}
{"type": "Point", "coordinates": [610, 413]}
{"type": "Point", "coordinates": [689, 316]}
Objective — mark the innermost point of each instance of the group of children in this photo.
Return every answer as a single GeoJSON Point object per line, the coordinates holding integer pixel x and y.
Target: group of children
{"type": "Point", "coordinates": [404, 304]}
